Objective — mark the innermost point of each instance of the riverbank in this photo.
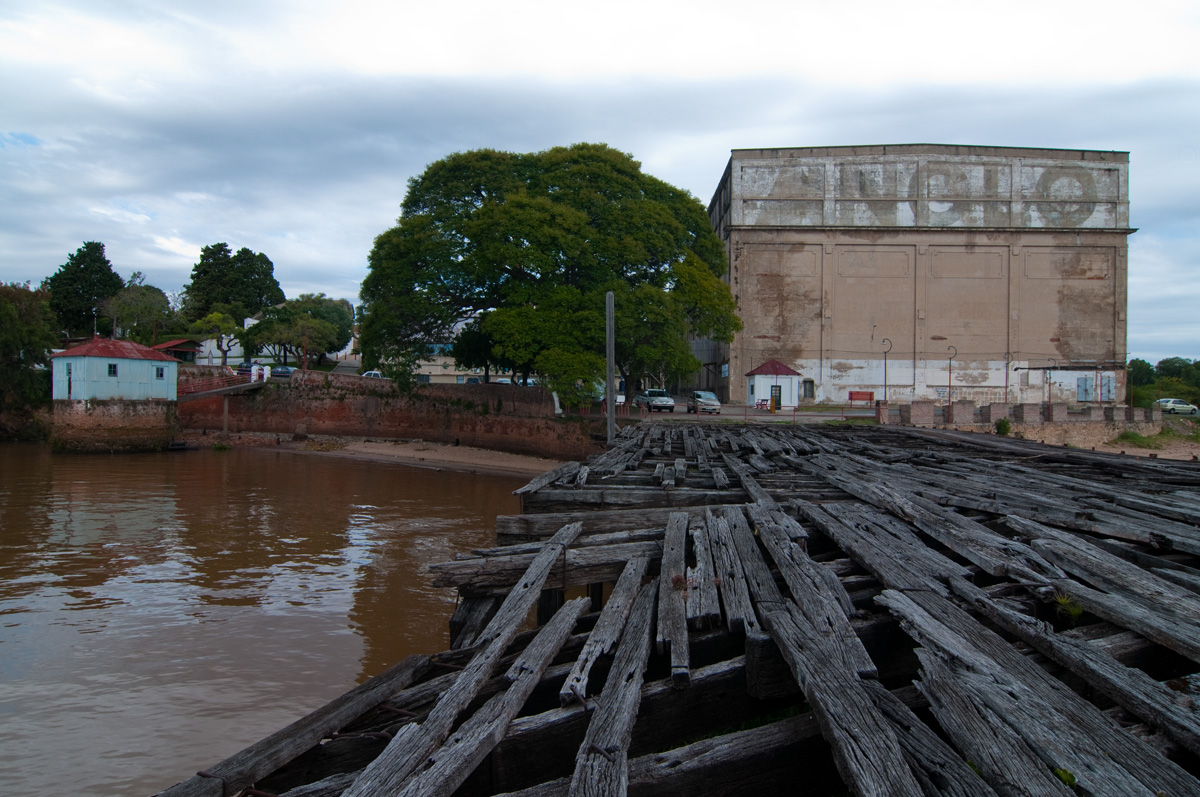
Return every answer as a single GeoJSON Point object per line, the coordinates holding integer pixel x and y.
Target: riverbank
{"type": "Point", "coordinates": [413, 453]}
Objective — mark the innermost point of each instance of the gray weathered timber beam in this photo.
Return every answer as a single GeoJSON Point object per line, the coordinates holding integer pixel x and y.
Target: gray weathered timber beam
{"type": "Point", "coordinates": [703, 603]}
{"type": "Point", "coordinates": [939, 767]}
{"type": "Point", "coordinates": [261, 758]}
{"type": "Point", "coordinates": [749, 483]}
{"type": "Point", "coordinates": [469, 619]}
{"type": "Point", "coordinates": [1130, 688]}
{"type": "Point", "coordinates": [414, 743]}
{"type": "Point", "coordinates": [607, 632]}
{"type": "Point", "coordinates": [549, 477]}
{"type": "Point", "coordinates": [446, 769]}
{"type": "Point", "coordinates": [947, 632]}
{"type": "Point", "coordinates": [601, 767]}
{"type": "Point", "coordinates": [735, 596]}
{"type": "Point", "coordinates": [626, 497]}
{"type": "Point", "coordinates": [865, 748]}
{"type": "Point", "coordinates": [672, 631]}
{"type": "Point", "coordinates": [1001, 755]}
{"type": "Point", "coordinates": [583, 566]}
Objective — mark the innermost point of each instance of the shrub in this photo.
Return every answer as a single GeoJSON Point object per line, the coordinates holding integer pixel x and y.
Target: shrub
{"type": "Point", "coordinates": [1003, 427]}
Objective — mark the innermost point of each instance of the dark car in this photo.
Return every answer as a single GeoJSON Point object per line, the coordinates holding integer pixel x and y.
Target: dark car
{"type": "Point", "coordinates": [282, 372]}
{"type": "Point", "coordinates": [245, 369]}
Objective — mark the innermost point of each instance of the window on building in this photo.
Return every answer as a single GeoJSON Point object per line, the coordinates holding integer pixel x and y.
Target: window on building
{"type": "Point", "coordinates": [422, 379]}
{"type": "Point", "coordinates": [112, 369]}
{"type": "Point", "coordinates": [160, 372]}
{"type": "Point", "coordinates": [810, 389]}
{"type": "Point", "coordinates": [460, 379]}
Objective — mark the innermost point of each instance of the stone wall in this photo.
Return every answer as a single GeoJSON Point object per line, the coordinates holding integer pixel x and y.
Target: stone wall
{"type": "Point", "coordinates": [501, 417]}
{"type": "Point", "coordinates": [113, 425]}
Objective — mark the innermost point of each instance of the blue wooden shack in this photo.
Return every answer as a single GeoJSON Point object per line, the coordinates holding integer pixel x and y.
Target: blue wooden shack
{"type": "Point", "coordinates": [114, 369]}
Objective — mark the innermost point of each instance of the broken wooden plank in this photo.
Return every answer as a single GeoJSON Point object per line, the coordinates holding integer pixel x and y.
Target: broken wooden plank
{"type": "Point", "coordinates": [672, 633]}
{"type": "Point", "coordinates": [414, 743]}
{"type": "Point", "coordinates": [703, 603]}
{"type": "Point", "coordinates": [446, 769]}
{"type": "Point", "coordinates": [602, 765]}
{"type": "Point", "coordinates": [607, 632]}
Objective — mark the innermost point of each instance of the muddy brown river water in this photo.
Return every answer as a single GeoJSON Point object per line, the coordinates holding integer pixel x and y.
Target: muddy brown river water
{"type": "Point", "coordinates": [158, 612]}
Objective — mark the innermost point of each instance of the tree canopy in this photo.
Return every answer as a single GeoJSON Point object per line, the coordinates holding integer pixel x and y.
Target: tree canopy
{"type": "Point", "coordinates": [307, 328]}
{"type": "Point", "coordinates": [80, 287]}
{"type": "Point", "coordinates": [527, 245]}
{"type": "Point", "coordinates": [243, 278]}
{"type": "Point", "coordinates": [140, 310]}
{"type": "Point", "coordinates": [27, 333]}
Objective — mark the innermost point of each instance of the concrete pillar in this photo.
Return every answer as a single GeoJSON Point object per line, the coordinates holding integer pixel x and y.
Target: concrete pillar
{"type": "Point", "coordinates": [1094, 412]}
{"type": "Point", "coordinates": [881, 412]}
{"type": "Point", "coordinates": [961, 412]}
{"type": "Point", "coordinates": [1118, 414]}
{"type": "Point", "coordinates": [922, 413]}
{"type": "Point", "coordinates": [1056, 412]}
{"type": "Point", "coordinates": [1027, 413]}
{"type": "Point", "coordinates": [1154, 413]}
{"type": "Point", "coordinates": [990, 413]}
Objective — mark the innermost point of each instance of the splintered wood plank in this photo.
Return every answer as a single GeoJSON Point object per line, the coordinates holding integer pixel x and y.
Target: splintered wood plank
{"type": "Point", "coordinates": [703, 603]}
{"type": "Point", "coordinates": [826, 666]}
{"type": "Point", "coordinates": [602, 764]}
{"type": "Point", "coordinates": [867, 753]}
{"type": "Point", "coordinates": [749, 483]}
{"type": "Point", "coordinates": [735, 595]}
{"type": "Point", "coordinates": [1130, 688]}
{"type": "Point", "coordinates": [414, 743]}
{"type": "Point", "coordinates": [672, 634]}
{"type": "Point", "coordinates": [817, 592]}
{"type": "Point", "coordinates": [607, 632]}
{"type": "Point", "coordinates": [469, 620]}
{"type": "Point", "coordinates": [1062, 729]}
{"type": "Point", "coordinates": [940, 769]}
{"type": "Point", "coordinates": [549, 477]}
{"type": "Point", "coordinates": [446, 769]}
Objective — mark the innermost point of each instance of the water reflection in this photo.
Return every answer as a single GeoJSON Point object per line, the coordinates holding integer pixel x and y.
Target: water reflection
{"type": "Point", "coordinates": [158, 612]}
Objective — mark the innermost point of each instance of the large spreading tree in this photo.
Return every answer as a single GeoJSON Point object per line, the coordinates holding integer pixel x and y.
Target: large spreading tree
{"type": "Point", "coordinates": [80, 287]}
{"type": "Point", "coordinates": [526, 246]}
{"type": "Point", "coordinates": [27, 334]}
{"type": "Point", "coordinates": [242, 278]}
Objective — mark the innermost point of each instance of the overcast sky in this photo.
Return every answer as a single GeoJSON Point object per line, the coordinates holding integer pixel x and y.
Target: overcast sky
{"type": "Point", "coordinates": [292, 127]}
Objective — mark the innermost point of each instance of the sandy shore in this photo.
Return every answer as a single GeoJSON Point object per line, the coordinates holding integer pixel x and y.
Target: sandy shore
{"type": "Point", "coordinates": [414, 453]}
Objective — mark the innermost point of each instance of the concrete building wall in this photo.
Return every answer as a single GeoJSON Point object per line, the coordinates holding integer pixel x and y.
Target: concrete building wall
{"type": "Point", "coordinates": [1010, 261]}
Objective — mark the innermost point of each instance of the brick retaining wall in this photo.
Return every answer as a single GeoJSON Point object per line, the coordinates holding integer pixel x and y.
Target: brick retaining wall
{"type": "Point", "coordinates": [502, 417]}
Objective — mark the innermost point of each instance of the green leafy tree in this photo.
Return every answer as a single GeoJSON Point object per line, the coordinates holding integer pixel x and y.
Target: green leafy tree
{"type": "Point", "coordinates": [1141, 373]}
{"type": "Point", "coordinates": [474, 348]}
{"type": "Point", "coordinates": [139, 310]}
{"type": "Point", "coordinates": [219, 327]}
{"type": "Point", "coordinates": [1175, 368]}
{"type": "Point", "coordinates": [338, 313]}
{"type": "Point", "coordinates": [221, 277]}
{"type": "Point", "coordinates": [27, 334]}
{"type": "Point", "coordinates": [497, 233]}
{"type": "Point", "coordinates": [80, 287]}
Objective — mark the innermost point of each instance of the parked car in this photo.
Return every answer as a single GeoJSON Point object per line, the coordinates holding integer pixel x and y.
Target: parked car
{"type": "Point", "coordinates": [655, 399]}
{"type": "Point", "coordinates": [373, 375]}
{"type": "Point", "coordinates": [703, 401]}
{"type": "Point", "coordinates": [245, 369]}
{"type": "Point", "coordinates": [1175, 406]}
{"type": "Point", "coordinates": [282, 372]}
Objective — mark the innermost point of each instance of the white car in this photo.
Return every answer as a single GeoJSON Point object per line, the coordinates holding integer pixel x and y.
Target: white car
{"type": "Point", "coordinates": [373, 375]}
{"type": "Point", "coordinates": [1174, 406]}
{"type": "Point", "coordinates": [655, 399]}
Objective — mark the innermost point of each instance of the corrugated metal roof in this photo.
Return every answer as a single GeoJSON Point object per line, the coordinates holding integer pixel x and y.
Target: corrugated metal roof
{"type": "Point", "coordinates": [772, 368]}
{"type": "Point", "coordinates": [115, 350]}
{"type": "Point", "coordinates": [178, 343]}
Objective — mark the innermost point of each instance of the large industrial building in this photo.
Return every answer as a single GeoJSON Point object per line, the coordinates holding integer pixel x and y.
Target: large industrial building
{"type": "Point", "coordinates": [925, 271]}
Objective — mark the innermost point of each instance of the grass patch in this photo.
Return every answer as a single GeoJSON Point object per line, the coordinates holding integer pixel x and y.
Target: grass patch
{"type": "Point", "coordinates": [1135, 440]}
{"type": "Point", "coordinates": [851, 422]}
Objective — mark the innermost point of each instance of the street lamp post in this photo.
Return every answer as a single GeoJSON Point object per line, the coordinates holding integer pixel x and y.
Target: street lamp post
{"type": "Point", "coordinates": [885, 354]}
{"type": "Point", "coordinates": [950, 375]}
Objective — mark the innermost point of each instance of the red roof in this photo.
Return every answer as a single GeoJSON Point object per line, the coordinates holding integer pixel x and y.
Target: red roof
{"type": "Point", "coordinates": [115, 350]}
{"type": "Point", "coordinates": [772, 368]}
{"type": "Point", "coordinates": [179, 344]}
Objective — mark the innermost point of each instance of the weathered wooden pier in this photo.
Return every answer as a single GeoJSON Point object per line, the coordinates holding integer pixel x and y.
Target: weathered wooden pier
{"type": "Point", "coordinates": [726, 609]}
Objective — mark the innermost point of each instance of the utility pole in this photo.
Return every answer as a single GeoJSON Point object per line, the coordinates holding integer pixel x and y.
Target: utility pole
{"type": "Point", "coordinates": [610, 389]}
